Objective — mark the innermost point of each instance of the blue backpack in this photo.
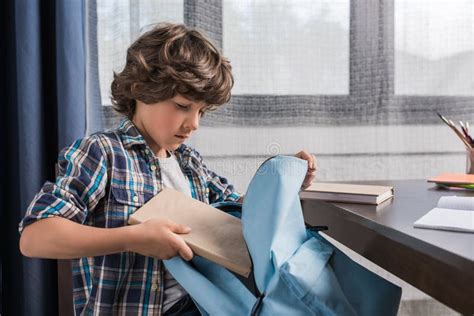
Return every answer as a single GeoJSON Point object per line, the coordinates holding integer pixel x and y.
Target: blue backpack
{"type": "Point", "coordinates": [295, 270]}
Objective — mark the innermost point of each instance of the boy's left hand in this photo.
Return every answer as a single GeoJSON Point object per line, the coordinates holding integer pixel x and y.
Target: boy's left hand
{"type": "Point", "coordinates": [311, 173]}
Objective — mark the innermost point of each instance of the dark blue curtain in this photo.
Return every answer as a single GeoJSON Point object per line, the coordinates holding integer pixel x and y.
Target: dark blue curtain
{"type": "Point", "coordinates": [42, 97]}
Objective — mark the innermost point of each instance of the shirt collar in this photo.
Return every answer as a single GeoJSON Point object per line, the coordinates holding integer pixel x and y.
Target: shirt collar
{"type": "Point", "coordinates": [131, 137]}
{"type": "Point", "coordinates": [130, 134]}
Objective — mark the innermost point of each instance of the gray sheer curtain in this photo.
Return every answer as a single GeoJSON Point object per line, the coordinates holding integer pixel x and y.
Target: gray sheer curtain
{"type": "Point", "coordinates": [362, 123]}
{"type": "Point", "coordinates": [333, 77]}
{"type": "Point", "coordinates": [94, 110]}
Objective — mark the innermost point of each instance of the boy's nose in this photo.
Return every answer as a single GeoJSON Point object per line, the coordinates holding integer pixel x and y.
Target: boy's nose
{"type": "Point", "coordinates": [193, 122]}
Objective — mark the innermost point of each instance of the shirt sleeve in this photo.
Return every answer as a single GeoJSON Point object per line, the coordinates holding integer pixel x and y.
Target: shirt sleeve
{"type": "Point", "coordinates": [219, 187]}
{"type": "Point", "coordinates": [79, 185]}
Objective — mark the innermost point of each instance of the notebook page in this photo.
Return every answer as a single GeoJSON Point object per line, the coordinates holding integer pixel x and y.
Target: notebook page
{"type": "Point", "coordinates": [456, 203]}
{"type": "Point", "coordinates": [444, 219]}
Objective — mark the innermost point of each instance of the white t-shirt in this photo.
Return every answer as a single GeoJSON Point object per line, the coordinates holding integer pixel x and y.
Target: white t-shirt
{"type": "Point", "coordinates": [173, 177]}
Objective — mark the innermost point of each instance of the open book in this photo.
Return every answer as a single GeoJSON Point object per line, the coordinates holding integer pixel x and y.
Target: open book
{"type": "Point", "coordinates": [215, 235]}
{"type": "Point", "coordinates": [452, 213]}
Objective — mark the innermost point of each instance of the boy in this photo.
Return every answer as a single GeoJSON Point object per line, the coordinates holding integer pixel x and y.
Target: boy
{"type": "Point", "coordinates": [173, 75]}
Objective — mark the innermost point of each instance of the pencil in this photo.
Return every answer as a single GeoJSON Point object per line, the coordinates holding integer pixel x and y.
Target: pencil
{"type": "Point", "coordinates": [458, 133]}
{"type": "Point", "coordinates": [443, 118]}
{"type": "Point", "coordinates": [468, 137]}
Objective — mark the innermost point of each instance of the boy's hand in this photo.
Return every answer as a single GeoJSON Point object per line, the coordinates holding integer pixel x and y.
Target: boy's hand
{"type": "Point", "coordinates": [311, 173]}
{"type": "Point", "coordinates": [160, 238]}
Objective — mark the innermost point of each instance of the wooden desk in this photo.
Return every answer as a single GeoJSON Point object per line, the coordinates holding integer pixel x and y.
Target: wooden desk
{"type": "Point", "coordinates": [440, 263]}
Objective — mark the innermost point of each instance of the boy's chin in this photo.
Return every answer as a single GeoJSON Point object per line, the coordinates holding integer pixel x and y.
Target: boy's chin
{"type": "Point", "coordinates": [174, 146]}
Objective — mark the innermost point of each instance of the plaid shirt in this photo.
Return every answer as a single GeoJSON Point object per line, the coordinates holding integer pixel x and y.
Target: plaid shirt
{"type": "Point", "coordinates": [103, 179]}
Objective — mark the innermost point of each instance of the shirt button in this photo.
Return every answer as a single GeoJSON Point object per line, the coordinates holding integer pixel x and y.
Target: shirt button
{"type": "Point", "coordinates": [135, 198]}
{"type": "Point", "coordinates": [154, 286]}
{"type": "Point", "coordinates": [152, 167]}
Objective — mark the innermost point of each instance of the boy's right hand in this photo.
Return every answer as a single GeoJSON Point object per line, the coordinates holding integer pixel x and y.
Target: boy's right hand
{"type": "Point", "coordinates": [160, 238]}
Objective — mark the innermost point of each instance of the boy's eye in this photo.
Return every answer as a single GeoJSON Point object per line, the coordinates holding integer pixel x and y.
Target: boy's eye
{"type": "Point", "coordinates": [183, 107]}
{"type": "Point", "coordinates": [187, 107]}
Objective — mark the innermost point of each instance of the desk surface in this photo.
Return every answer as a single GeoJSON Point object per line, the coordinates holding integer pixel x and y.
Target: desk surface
{"type": "Point", "coordinates": [441, 263]}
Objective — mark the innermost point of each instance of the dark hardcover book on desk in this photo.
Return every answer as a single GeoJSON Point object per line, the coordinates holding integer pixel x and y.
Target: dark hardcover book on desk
{"type": "Point", "coordinates": [349, 193]}
{"type": "Point", "coordinates": [215, 235]}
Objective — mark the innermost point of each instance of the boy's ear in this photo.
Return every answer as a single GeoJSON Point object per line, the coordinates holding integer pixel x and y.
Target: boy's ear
{"type": "Point", "coordinates": [135, 87]}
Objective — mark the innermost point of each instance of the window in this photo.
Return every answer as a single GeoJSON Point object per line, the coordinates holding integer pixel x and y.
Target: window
{"type": "Point", "coordinates": [287, 47]}
{"type": "Point", "coordinates": [119, 23]}
{"type": "Point", "coordinates": [434, 47]}
{"type": "Point", "coordinates": [317, 62]}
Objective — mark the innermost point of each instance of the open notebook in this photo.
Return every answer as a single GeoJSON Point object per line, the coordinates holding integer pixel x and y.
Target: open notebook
{"type": "Point", "coordinates": [452, 213]}
{"type": "Point", "coordinates": [215, 235]}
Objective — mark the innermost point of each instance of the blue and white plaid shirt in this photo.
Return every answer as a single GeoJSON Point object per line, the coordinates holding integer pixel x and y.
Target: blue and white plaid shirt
{"type": "Point", "coordinates": [103, 179]}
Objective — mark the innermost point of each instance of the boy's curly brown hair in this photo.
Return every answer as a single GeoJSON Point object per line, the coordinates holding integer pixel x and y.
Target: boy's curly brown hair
{"type": "Point", "coordinates": [172, 59]}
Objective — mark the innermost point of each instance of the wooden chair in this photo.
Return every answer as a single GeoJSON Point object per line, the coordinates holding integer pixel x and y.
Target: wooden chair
{"type": "Point", "coordinates": [64, 267]}
{"type": "Point", "coordinates": [65, 298]}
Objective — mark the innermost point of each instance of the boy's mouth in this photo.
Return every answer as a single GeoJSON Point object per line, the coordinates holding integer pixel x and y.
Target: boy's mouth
{"type": "Point", "coordinates": [182, 136]}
